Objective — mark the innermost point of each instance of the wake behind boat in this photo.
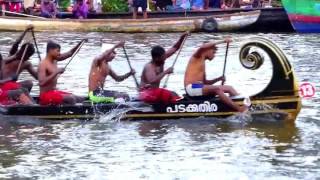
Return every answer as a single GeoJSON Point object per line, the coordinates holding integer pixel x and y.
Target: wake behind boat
{"type": "Point", "coordinates": [280, 97]}
{"type": "Point", "coordinates": [214, 23]}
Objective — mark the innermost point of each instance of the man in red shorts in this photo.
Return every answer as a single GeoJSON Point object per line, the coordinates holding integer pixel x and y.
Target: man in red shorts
{"type": "Point", "coordinates": [48, 75]}
{"type": "Point", "coordinates": [153, 73]}
{"type": "Point", "coordinates": [12, 63]}
{"type": "Point", "coordinates": [12, 92]}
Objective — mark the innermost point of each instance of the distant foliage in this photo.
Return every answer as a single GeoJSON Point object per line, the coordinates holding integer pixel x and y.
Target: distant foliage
{"type": "Point", "coordinates": [64, 4]}
{"type": "Point", "coordinates": [276, 3]}
{"type": "Point", "coordinates": [115, 6]}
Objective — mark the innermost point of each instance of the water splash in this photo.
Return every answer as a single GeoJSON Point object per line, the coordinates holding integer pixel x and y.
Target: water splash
{"type": "Point", "coordinates": [261, 107]}
{"type": "Point", "coordinates": [114, 115]}
{"type": "Point", "coordinates": [240, 118]}
{"type": "Point", "coordinates": [259, 112]}
{"type": "Point", "coordinates": [119, 113]}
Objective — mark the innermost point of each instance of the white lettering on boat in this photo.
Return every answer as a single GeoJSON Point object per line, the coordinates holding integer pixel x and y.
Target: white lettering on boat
{"type": "Point", "coordinates": [204, 107]}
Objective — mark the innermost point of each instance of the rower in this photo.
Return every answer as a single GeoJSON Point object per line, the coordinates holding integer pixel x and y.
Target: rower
{"type": "Point", "coordinates": [100, 69]}
{"type": "Point", "coordinates": [14, 64]}
{"type": "Point", "coordinates": [12, 92]}
{"type": "Point", "coordinates": [153, 73]}
{"type": "Point", "coordinates": [196, 83]}
{"type": "Point", "coordinates": [48, 75]}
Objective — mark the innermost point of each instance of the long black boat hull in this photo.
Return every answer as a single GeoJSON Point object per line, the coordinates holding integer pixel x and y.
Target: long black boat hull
{"type": "Point", "coordinates": [287, 107]}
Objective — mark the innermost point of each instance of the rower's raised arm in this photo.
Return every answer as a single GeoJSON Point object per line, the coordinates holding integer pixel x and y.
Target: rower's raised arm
{"type": "Point", "coordinates": [210, 45]}
{"type": "Point", "coordinates": [104, 56]}
{"type": "Point", "coordinates": [177, 45]}
{"type": "Point", "coordinates": [68, 54]}
{"type": "Point", "coordinates": [15, 45]}
{"type": "Point", "coordinates": [204, 47]}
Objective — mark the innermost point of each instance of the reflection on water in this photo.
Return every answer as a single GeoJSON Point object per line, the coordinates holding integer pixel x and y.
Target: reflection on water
{"type": "Point", "coordinates": [240, 147]}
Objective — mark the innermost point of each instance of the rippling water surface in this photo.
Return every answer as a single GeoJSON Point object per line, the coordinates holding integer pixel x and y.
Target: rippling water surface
{"type": "Point", "coordinates": [234, 148]}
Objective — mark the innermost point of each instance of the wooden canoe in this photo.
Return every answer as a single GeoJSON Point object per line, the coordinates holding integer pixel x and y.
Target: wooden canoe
{"type": "Point", "coordinates": [215, 23]}
{"type": "Point", "coordinates": [280, 97]}
{"type": "Point", "coordinates": [283, 109]}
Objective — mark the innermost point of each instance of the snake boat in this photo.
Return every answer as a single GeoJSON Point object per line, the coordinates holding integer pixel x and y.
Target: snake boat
{"type": "Point", "coordinates": [212, 23]}
{"type": "Point", "coordinates": [281, 96]}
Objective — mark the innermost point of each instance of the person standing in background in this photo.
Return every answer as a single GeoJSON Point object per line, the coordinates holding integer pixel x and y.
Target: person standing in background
{"type": "Point", "coordinates": [236, 4]}
{"type": "Point", "coordinates": [162, 5]}
{"type": "Point", "coordinates": [139, 3]}
{"type": "Point", "coordinates": [80, 10]}
{"type": "Point", "coordinates": [15, 5]}
{"type": "Point", "coordinates": [197, 4]}
{"type": "Point", "coordinates": [181, 4]}
{"type": "Point", "coordinates": [256, 3]}
{"type": "Point", "coordinates": [4, 5]}
{"type": "Point", "coordinates": [215, 4]}
{"type": "Point", "coordinates": [48, 9]}
{"type": "Point", "coordinates": [206, 4]}
{"type": "Point", "coordinates": [28, 6]}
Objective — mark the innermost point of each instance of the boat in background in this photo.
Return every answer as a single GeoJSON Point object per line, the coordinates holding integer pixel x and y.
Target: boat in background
{"type": "Point", "coordinates": [273, 19]}
{"type": "Point", "coordinates": [304, 15]}
{"type": "Point", "coordinates": [280, 98]}
{"type": "Point", "coordinates": [213, 23]}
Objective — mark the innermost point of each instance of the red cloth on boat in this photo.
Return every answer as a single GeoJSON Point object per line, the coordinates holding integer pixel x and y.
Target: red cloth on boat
{"type": "Point", "coordinates": [53, 97]}
{"type": "Point", "coordinates": [4, 99]}
{"type": "Point", "coordinates": [4, 88]}
{"type": "Point", "coordinates": [11, 85]}
{"type": "Point", "coordinates": [158, 95]}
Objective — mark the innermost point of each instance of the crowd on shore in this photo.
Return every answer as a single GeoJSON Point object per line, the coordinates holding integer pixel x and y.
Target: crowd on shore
{"type": "Point", "coordinates": [81, 8]}
{"type": "Point", "coordinates": [44, 8]}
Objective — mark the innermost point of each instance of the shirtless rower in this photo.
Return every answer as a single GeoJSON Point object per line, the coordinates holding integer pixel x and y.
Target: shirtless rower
{"type": "Point", "coordinates": [48, 76]}
{"type": "Point", "coordinates": [100, 69]}
{"type": "Point", "coordinates": [12, 63]}
{"type": "Point", "coordinates": [10, 91]}
{"type": "Point", "coordinates": [153, 73]}
{"type": "Point", "coordinates": [196, 83]}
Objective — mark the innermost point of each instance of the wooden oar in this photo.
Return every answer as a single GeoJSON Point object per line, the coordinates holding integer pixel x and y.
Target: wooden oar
{"type": "Point", "coordinates": [134, 77]}
{"type": "Point", "coordinates": [20, 14]}
{"type": "Point", "coordinates": [35, 43]}
{"type": "Point", "coordinates": [21, 60]}
{"type": "Point", "coordinates": [174, 62]}
{"type": "Point", "coordinates": [225, 62]}
{"type": "Point", "coordinates": [74, 54]}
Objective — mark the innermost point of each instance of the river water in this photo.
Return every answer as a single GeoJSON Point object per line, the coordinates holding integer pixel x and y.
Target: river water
{"type": "Point", "coordinates": [233, 148]}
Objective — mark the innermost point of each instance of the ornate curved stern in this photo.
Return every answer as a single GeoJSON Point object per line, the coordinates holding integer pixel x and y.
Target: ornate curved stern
{"type": "Point", "coordinates": [282, 92]}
